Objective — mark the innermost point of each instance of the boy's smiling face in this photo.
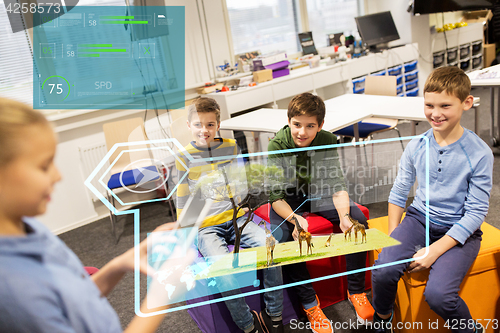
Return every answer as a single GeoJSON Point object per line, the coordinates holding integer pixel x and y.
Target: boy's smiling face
{"type": "Point", "coordinates": [203, 127]}
{"type": "Point", "coordinates": [444, 111]}
{"type": "Point", "coordinates": [304, 129]}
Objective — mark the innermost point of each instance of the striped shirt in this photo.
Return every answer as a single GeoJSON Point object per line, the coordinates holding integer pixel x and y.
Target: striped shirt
{"type": "Point", "coordinates": [202, 161]}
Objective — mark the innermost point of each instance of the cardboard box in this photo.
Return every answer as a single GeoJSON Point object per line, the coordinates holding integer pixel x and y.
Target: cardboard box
{"type": "Point", "coordinates": [263, 75]}
{"type": "Point", "coordinates": [478, 16]}
{"type": "Point", "coordinates": [489, 54]}
{"type": "Point", "coordinates": [210, 89]}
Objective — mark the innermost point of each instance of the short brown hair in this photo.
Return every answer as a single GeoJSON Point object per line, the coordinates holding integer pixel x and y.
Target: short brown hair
{"type": "Point", "coordinates": [307, 104]}
{"type": "Point", "coordinates": [14, 118]}
{"type": "Point", "coordinates": [204, 105]}
{"type": "Point", "coordinates": [451, 79]}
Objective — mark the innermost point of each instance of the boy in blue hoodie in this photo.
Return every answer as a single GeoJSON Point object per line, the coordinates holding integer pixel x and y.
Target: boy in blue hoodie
{"type": "Point", "coordinates": [460, 181]}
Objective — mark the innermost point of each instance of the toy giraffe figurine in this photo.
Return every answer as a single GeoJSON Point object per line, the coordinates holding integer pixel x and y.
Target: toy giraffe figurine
{"type": "Point", "coordinates": [303, 235]}
{"type": "Point", "coordinates": [270, 244]}
{"type": "Point", "coordinates": [357, 227]}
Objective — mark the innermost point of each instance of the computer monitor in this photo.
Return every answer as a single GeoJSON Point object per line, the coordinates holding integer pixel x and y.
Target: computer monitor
{"type": "Point", "coordinates": [376, 29]}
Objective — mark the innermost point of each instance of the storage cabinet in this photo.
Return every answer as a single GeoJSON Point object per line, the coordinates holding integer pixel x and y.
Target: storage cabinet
{"type": "Point", "coordinates": [462, 47]}
{"type": "Point", "coordinates": [406, 79]}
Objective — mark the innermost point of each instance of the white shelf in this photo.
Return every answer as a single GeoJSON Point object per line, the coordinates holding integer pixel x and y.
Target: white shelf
{"type": "Point", "coordinates": [304, 80]}
{"type": "Point", "coordinates": [455, 39]}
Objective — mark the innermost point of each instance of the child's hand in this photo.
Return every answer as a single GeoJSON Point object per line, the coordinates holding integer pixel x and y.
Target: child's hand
{"type": "Point", "coordinates": [126, 260]}
{"type": "Point", "coordinates": [175, 272]}
{"type": "Point", "coordinates": [345, 223]}
{"type": "Point", "coordinates": [423, 263]}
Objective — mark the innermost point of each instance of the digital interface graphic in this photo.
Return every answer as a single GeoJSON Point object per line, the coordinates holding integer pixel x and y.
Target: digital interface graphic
{"type": "Point", "coordinates": [109, 58]}
{"type": "Point", "coordinates": [200, 282]}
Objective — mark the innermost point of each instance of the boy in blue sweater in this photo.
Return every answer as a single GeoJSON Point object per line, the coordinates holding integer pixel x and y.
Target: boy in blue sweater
{"type": "Point", "coordinates": [460, 181]}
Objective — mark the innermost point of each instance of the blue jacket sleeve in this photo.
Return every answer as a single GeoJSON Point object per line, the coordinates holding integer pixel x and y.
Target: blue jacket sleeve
{"type": "Point", "coordinates": [405, 178]}
{"type": "Point", "coordinates": [476, 201]}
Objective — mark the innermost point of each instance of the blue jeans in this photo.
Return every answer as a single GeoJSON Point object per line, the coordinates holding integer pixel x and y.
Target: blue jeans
{"type": "Point", "coordinates": [213, 241]}
{"type": "Point", "coordinates": [298, 272]}
{"type": "Point", "coordinates": [445, 275]}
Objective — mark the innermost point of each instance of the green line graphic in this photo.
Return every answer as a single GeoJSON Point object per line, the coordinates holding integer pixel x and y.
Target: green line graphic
{"type": "Point", "coordinates": [102, 50]}
{"type": "Point", "coordinates": [116, 17]}
{"type": "Point", "coordinates": [88, 55]}
{"type": "Point", "coordinates": [95, 45]}
{"type": "Point", "coordinates": [124, 22]}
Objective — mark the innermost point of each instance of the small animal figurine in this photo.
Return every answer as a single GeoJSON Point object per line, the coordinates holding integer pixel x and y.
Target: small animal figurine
{"type": "Point", "coordinates": [270, 244]}
{"type": "Point", "coordinates": [356, 226]}
{"type": "Point", "coordinates": [303, 235]}
{"type": "Point", "coordinates": [327, 244]}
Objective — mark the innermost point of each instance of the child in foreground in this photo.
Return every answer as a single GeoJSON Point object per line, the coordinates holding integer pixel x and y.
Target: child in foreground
{"type": "Point", "coordinates": [44, 286]}
{"type": "Point", "coordinates": [460, 181]}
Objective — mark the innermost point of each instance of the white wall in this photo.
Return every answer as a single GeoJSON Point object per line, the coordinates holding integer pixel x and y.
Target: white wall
{"type": "Point", "coordinates": [449, 17]}
{"type": "Point", "coordinates": [399, 14]}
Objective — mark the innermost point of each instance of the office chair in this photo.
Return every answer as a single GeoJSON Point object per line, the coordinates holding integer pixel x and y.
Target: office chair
{"type": "Point", "coordinates": [180, 131]}
{"type": "Point", "coordinates": [375, 85]}
{"type": "Point", "coordinates": [130, 169]}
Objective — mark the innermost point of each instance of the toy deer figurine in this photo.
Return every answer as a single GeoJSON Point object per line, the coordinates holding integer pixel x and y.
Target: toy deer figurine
{"type": "Point", "coordinates": [356, 226]}
{"type": "Point", "coordinates": [303, 235]}
{"type": "Point", "coordinates": [327, 244]}
{"type": "Point", "coordinates": [270, 244]}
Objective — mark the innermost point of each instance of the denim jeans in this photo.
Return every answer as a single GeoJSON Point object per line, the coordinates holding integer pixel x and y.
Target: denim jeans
{"type": "Point", "coordinates": [445, 275]}
{"type": "Point", "coordinates": [298, 272]}
{"type": "Point", "coordinates": [213, 241]}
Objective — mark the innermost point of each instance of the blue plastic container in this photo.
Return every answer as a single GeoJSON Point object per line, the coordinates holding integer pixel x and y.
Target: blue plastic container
{"type": "Point", "coordinates": [399, 89]}
{"type": "Point", "coordinates": [399, 79]}
{"type": "Point", "coordinates": [396, 70]}
{"type": "Point", "coordinates": [410, 66]}
{"type": "Point", "coordinates": [379, 73]}
{"type": "Point", "coordinates": [410, 85]}
{"type": "Point", "coordinates": [411, 75]}
{"type": "Point", "coordinates": [412, 93]}
{"type": "Point", "coordinates": [401, 95]}
{"type": "Point", "coordinates": [358, 85]}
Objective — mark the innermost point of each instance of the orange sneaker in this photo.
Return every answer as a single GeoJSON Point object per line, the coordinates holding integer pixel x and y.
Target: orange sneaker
{"type": "Point", "coordinates": [319, 322]}
{"type": "Point", "coordinates": [363, 308]}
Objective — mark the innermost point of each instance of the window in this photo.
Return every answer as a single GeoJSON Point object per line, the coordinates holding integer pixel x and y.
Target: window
{"type": "Point", "coordinates": [16, 65]}
{"type": "Point", "coordinates": [272, 25]}
{"type": "Point", "coordinates": [327, 16]}
{"type": "Point", "coordinates": [16, 60]}
{"type": "Point", "coordinates": [265, 25]}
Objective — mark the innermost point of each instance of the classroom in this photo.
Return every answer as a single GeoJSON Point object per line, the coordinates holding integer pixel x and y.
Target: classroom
{"type": "Point", "coordinates": [179, 131]}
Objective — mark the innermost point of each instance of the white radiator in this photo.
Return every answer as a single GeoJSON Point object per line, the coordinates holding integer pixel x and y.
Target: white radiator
{"type": "Point", "coordinates": [90, 157]}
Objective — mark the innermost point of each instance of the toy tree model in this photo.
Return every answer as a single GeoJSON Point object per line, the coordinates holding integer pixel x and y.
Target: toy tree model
{"type": "Point", "coordinates": [251, 182]}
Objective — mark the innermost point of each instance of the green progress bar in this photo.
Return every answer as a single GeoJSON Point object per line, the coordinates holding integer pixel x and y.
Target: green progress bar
{"type": "Point", "coordinates": [102, 50]}
{"type": "Point", "coordinates": [124, 22]}
{"type": "Point", "coordinates": [116, 17]}
{"type": "Point", "coordinates": [88, 56]}
{"type": "Point", "coordinates": [95, 45]}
